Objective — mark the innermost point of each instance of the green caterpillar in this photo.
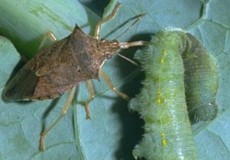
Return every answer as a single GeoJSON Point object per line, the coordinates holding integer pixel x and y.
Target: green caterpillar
{"type": "Point", "coordinates": [163, 100]}
{"type": "Point", "coordinates": [201, 81]}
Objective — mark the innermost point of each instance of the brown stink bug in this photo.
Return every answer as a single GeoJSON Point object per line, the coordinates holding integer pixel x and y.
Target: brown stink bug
{"type": "Point", "coordinates": [62, 66]}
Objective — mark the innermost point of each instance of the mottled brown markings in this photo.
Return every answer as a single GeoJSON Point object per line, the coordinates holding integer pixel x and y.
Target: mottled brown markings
{"type": "Point", "coordinates": [56, 69]}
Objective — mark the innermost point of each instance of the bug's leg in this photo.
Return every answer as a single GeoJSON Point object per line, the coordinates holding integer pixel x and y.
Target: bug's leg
{"type": "Point", "coordinates": [91, 97]}
{"type": "Point", "coordinates": [111, 86]}
{"type": "Point", "coordinates": [109, 17]}
{"type": "Point", "coordinates": [48, 35]}
{"type": "Point", "coordinates": [63, 113]}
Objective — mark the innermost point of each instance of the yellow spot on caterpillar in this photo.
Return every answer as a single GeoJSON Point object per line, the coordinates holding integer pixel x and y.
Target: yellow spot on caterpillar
{"type": "Point", "coordinates": [160, 98]}
{"type": "Point", "coordinates": [163, 139]}
{"type": "Point", "coordinates": [164, 52]}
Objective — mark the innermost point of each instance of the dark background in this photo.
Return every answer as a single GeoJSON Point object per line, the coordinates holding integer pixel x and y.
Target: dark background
{"type": "Point", "coordinates": [96, 6]}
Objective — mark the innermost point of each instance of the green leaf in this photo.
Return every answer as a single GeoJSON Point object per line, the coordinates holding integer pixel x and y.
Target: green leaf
{"type": "Point", "coordinates": [28, 21]}
{"type": "Point", "coordinates": [113, 130]}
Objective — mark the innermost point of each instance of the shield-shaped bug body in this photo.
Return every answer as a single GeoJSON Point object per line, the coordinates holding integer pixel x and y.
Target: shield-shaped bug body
{"type": "Point", "coordinates": [65, 64]}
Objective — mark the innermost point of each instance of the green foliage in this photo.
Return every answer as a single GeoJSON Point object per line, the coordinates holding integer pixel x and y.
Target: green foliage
{"type": "Point", "coordinates": [113, 130]}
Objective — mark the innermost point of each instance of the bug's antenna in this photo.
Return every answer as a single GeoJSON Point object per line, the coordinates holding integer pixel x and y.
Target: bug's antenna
{"type": "Point", "coordinates": [128, 59]}
{"type": "Point", "coordinates": [137, 18]}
